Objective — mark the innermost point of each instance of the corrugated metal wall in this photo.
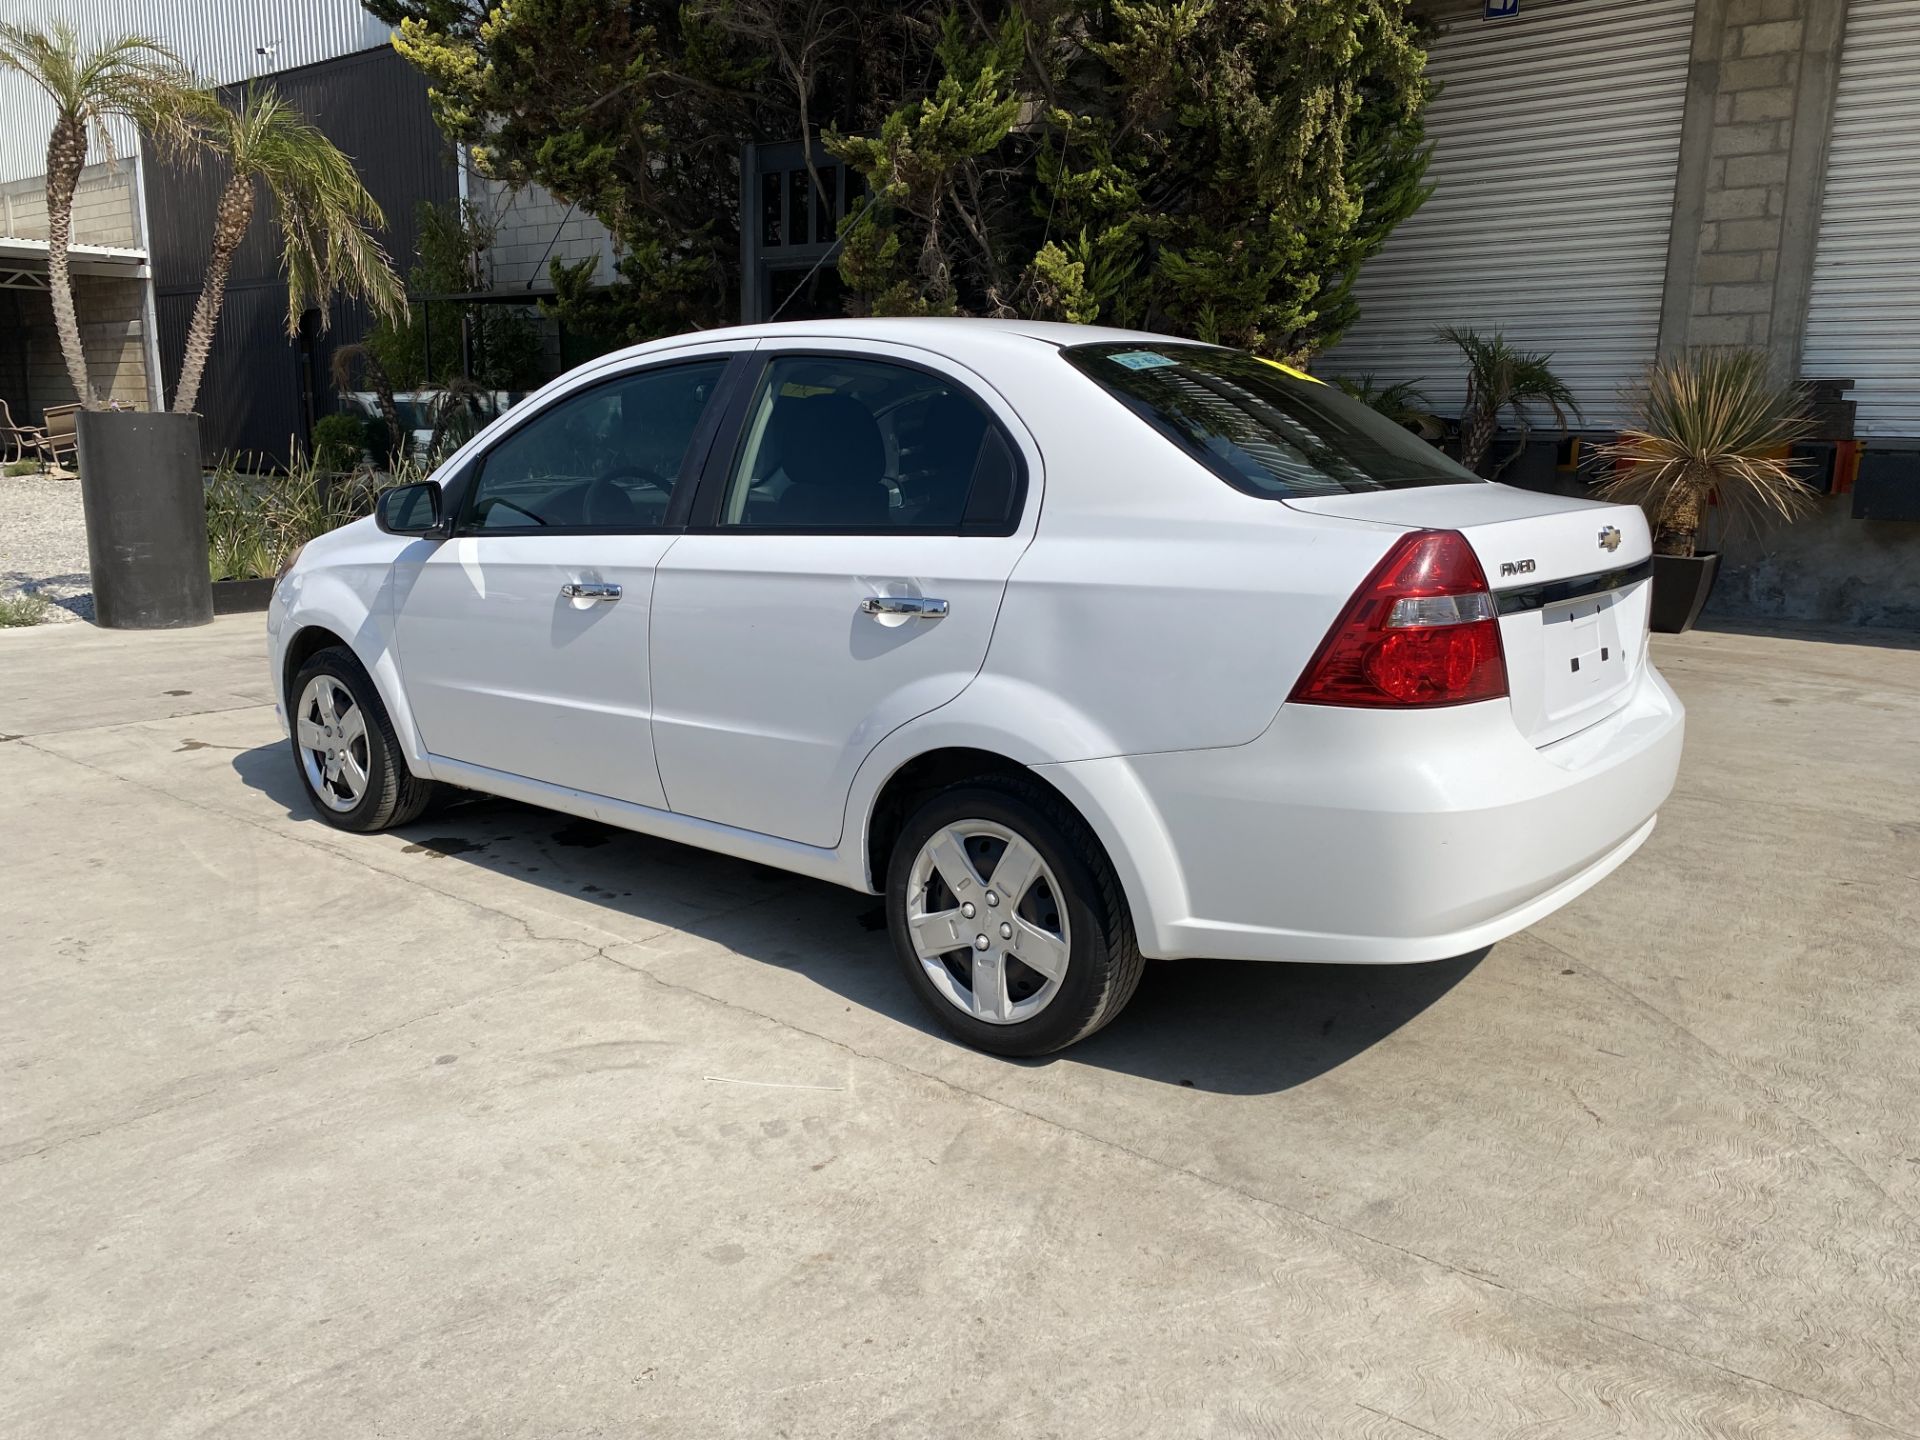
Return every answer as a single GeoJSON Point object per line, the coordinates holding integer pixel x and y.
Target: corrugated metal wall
{"type": "Point", "coordinates": [1863, 318]}
{"type": "Point", "coordinates": [218, 39]}
{"type": "Point", "coordinates": [374, 107]}
{"type": "Point", "coordinates": [1557, 140]}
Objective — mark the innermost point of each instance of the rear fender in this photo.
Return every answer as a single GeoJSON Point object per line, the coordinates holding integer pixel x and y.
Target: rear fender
{"type": "Point", "coordinates": [1108, 797]}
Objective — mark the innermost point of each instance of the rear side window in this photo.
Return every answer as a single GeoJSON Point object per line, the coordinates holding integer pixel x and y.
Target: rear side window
{"type": "Point", "coordinates": [1260, 427]}
{"type": "Point", "coordinates": [851, 445]}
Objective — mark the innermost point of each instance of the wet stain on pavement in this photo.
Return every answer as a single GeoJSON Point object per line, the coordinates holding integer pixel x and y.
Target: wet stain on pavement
{"type": "Point", "coordinates": [439, 845]}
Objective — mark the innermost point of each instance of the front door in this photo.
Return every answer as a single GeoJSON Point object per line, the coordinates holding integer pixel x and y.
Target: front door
{"type": "Point", "coordinates": [842, 576]}
{"type": "Point", "coordinates": [523, 638]}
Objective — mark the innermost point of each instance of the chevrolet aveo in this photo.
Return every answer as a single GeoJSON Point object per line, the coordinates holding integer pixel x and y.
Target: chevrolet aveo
{"type": "Point", "coordinates": [1081, 646]}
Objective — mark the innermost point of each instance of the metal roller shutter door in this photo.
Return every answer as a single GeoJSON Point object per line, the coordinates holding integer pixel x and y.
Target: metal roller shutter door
{"type": "Point", "coordinates": [1556, 142]}
{"type": "Point", "coordinates": [1863, 315]}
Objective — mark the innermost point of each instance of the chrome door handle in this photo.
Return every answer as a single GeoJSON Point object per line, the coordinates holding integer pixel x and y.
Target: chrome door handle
{"type": "Point", "coordinates": [589, 590]}
{"type": "Point", "coordinates": [914, 607]}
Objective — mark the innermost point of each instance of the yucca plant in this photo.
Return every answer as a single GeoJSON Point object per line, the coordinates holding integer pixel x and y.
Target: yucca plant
{"type": "Point", "coordinates": [1711, 423]}
{"type": "Point", "coordinates": [129, 78]}
{"type": "Point", "coordinates": [325, 218]}
{"type": "Point", "coordinates": [1501, 378]}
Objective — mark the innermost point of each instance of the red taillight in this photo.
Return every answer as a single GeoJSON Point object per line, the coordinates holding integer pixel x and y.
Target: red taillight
{"type": "Point", "coordinates": [1421, 630]}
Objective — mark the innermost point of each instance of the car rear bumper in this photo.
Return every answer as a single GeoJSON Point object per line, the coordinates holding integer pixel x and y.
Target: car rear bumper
{"type": "Point", "coordinates": [1377, 837]}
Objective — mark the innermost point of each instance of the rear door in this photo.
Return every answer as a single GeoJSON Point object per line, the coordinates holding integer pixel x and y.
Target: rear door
{"type": "Point", "coordinates": [842, 574]}
{"type": "Point", "coordinates": [523, 638]}
{"type": "Point", "coordinates": [1572, 579]}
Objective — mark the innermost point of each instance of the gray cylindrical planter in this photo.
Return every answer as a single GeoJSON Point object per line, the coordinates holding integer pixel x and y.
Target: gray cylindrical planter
{"type": "Point", "coordinates": [146, 519]}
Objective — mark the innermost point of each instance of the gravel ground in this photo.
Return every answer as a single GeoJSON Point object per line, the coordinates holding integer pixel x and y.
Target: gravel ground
{"type": "Point", "coordinates": [43, 544]}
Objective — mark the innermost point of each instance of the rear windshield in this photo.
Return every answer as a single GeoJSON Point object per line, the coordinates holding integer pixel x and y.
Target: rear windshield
{"type": "Point", "coordinates": [1262, 428]}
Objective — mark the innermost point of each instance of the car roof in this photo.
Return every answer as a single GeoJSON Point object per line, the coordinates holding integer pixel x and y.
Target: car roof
{"type": "Point", "coordinates": [957, 336]}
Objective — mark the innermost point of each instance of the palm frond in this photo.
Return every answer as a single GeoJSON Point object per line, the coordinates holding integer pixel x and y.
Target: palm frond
{"type": "Point", "coordinates": [325, 215]}
{"type": "Point", "coordinates": [1402, 402]}
{"type": "Point", "coordinates": [130, 77]}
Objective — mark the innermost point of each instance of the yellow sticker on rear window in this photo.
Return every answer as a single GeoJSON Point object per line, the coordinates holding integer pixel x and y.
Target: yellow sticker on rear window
{"type": "Point", "coordinates": [1296, 374]}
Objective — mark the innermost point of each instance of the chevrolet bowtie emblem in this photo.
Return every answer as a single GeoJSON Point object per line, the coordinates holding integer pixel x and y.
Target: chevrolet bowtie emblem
{"type": "Point", "coordinates": [1609, 539]}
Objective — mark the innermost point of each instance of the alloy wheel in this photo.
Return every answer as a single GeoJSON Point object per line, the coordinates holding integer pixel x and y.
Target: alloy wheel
{"type": "Point", "coordinates": [331, 732]}
{"type": "Point", "coordinates": [988, 921]}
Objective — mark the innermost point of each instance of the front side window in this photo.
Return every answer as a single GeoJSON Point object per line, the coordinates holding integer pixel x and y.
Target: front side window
{"type": "Point", "coordinates": [1260, 427]}
{"type": "Point", "coordinates": [606, 458]}
{"type": "Point", "coordinates": [836, 444]}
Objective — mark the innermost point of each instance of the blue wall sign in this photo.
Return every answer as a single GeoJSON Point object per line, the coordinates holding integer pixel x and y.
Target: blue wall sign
{"type": "Point", "coordinates": [1500, 10]}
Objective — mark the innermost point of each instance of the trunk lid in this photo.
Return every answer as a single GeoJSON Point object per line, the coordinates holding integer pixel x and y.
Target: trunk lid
{"type": "Point", "coordinates": [1573, 613]}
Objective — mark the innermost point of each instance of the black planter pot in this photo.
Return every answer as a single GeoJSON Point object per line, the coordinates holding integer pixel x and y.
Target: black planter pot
{"type": "Point", "coordinates": [146, 519]}
{"type": "Point", "coordinates": [1681, 584]}
{"type": "Point", "coordinates": [241, 597]}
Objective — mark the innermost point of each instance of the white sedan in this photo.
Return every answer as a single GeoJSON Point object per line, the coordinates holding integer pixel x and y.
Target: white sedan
{"type": "Point", "coordinates": [1081, 646]}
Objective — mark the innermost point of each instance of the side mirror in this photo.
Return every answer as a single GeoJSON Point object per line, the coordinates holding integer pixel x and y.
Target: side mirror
{"type": "Point", "coordinates": [410, 510]}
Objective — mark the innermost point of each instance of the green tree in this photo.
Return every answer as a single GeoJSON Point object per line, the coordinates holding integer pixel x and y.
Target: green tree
{"type": "Point", "coordinates": [425, 344]}
{"type": "Point", "coordinates": [1214, 167]}
{"type": "Point", "coordinates": [324, 214]}
{"type": "Point", "coordinates": [127, 78]}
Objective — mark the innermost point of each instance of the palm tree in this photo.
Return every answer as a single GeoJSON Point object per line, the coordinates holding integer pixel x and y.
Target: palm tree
{"type": "Point", "coordinates": [1499, 378]}
{"type": "Point", "coordinates": [325, 216]}
{"type": "Point", "coordinates": [130, 78]}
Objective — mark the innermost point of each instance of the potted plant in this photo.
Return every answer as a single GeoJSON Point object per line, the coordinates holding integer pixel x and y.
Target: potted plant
{"type": "Point", "coordinates": [1712, 425]}
{"type": "Point", "coordinates": [1501, 378]}
{"type": "Point", "coordinates": [144, 539]}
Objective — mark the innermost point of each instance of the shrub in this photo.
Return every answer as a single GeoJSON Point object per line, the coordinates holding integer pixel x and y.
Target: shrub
{"type": "Point", "coordinates": [255, 521]}
{"type": "Point", "coordinates": [25, 608]}
{"type": "Point", "coordinates": [23, 467]}
{"type": "Point", "coordinates": [339, 441]}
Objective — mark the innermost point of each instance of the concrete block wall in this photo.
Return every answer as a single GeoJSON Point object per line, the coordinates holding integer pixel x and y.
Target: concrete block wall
{"type": "Point", "coordinates": [103, 207]}
{"type": "Point", "coordinates": [112, 332]}
{"type": "Point", "coordinates": [533, 229]}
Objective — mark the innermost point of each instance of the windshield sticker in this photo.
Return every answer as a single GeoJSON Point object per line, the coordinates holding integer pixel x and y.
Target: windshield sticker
{"type": "Point", "coordinates": [1140, 359]}
{"type": "Point", "coordinates": [1289, 370]}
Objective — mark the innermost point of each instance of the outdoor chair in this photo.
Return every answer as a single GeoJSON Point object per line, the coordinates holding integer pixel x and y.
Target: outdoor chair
{"type": "Point", "coordinates": [20, 440]}
{"type": "Point", "coordinates": [61, 438]}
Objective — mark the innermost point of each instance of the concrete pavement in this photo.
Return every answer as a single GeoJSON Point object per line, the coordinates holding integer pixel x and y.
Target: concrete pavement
{"type": "Point", "coordinates": [512, 1125]}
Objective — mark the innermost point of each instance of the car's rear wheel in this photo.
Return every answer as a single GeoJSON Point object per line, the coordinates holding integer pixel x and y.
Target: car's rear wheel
{"type": "Point", "coordinates": [1008, 919]}
{"type": "Point", "coordinates": [345, 749]}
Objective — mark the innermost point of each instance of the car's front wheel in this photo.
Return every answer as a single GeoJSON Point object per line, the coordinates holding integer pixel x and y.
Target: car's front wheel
{"type": "Point", "coordinates": [345, 749]}
{"type": "Point", "coordinates": [1008, 919]}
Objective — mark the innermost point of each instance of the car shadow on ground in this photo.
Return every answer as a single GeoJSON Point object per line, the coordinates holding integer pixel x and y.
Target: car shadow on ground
{"type": "Point", "coordinates": [1228, 1026]}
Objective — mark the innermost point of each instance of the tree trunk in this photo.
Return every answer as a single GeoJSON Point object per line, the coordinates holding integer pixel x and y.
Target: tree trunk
{"type": "Point", "coordinates": [1519, 449]}
{"type": "Point", "coordinates": [1476, 435]}
{"type": "Point", "coordinates": [229, 229]}
{"type": "Point", "coordinates": [66, 157]}
{"type": "Point", "coordinates": [1679, 525]}
{"type": "Point", "coordinates": [398, 439]}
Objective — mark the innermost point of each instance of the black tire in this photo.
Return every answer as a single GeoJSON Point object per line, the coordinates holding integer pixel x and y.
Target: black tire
{"type": "Point", "coordinates": [393, 795]}
{"type": "Point", "coordinates": [1104, 962]}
